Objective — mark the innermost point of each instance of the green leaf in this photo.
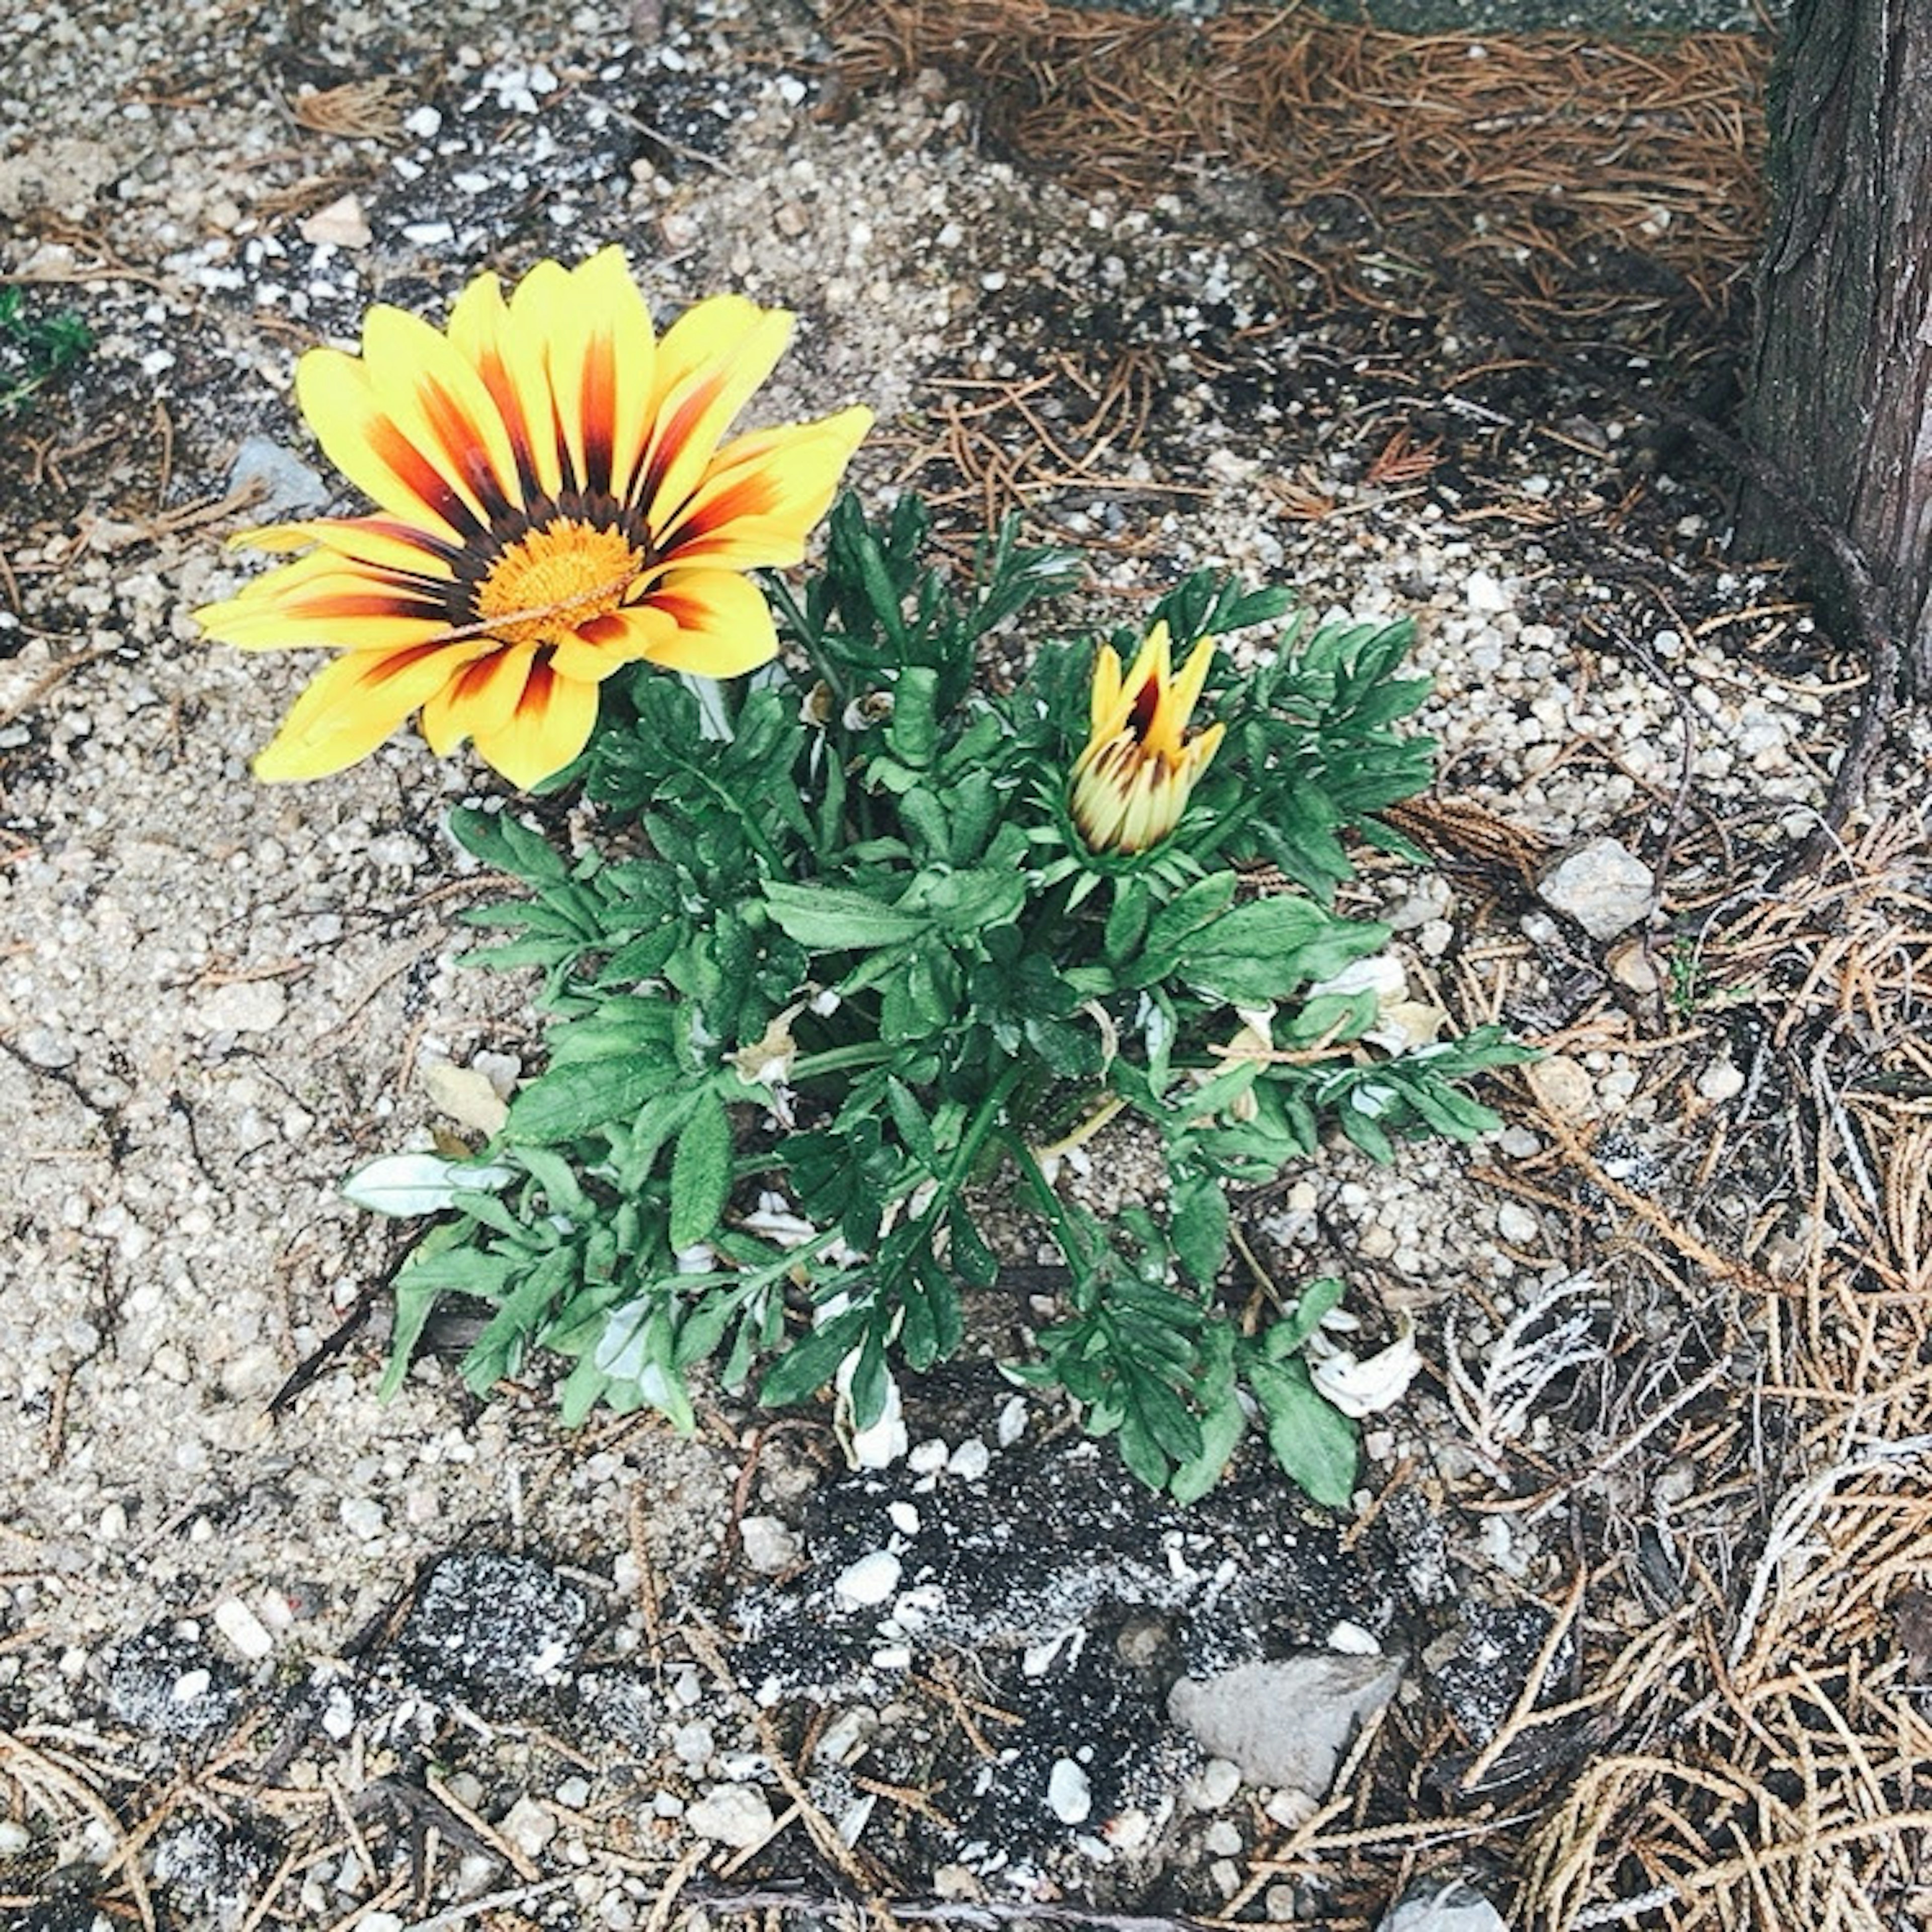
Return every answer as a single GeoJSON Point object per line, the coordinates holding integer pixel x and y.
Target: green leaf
{"type": "Point", "coordinates": [979, 1266]}
{"type": "Point", "coordinates": [1222, 1429]}
{"type": "Point", "coordinates": [1285, 1336]}
{"type": "Point", "coordinates": [700, 1173]}
{"type": "Point", "coordinates": [914, 1128]}
{"type": "Point", "coordinates": [812, 1360]}
{"type": "Point", "coordinates": [1127, 919]}
{"type": "Point", "coordinates": [1200, 904]}
{"type": "Point", "coordinates": [1265, 949]}
{"type": "Point", "coordinates": [829, 919]}
{"type": "Point", "coordinates": [1314, 1442]}
{"type": "Point", "coordinates": [1198, 1227]}
{"type": "Point", "coordinates": [573, 1099]}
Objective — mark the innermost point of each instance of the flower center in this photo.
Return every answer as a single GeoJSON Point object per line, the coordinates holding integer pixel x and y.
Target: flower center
{"type": "Point", "coordinates": [552, 579]}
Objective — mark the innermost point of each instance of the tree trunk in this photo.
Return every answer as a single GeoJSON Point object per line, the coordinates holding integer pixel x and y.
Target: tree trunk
{"type": "Point", "coordinates": [1841, 391]}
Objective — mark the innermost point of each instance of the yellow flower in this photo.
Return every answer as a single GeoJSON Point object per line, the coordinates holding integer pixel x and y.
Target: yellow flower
{"type": "Point", "coordinates": [553, 501]}
{"type": "Point", "coordinates": [1131, 782]}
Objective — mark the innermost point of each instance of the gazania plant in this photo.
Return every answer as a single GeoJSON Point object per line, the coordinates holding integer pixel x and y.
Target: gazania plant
{"type": "Point", "coordinates": [865, 942]}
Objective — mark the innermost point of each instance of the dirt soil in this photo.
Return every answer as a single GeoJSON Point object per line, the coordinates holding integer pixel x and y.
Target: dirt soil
{"type": "Point", "coordinates": [1642, 1552]}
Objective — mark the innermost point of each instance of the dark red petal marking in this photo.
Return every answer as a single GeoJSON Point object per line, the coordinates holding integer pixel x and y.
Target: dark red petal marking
{"type": "Point", "coordinates": [1146, 702]}
{"type": "Point", "coordinates": [462, 445]}
{"type": "Point", "coordinates": [534, 700]}
{"type": "Point", "coordinates": [750, 496]}
{"type": "Point", "coordinates": [599, 401]}
{"type": "Point", "coordinates": [503, 394]}
{"type": "Point", "coordinates": [672, 437]}
{"type": "Point", "coordinates": [418, 473]}
{"type": "Point", "coordinates": [325, 604]}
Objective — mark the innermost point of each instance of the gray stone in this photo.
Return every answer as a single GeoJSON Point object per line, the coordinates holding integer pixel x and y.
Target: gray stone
{"type": "Point", "coordinates": [1606, 889]}
{"type": "Point", "coordinates": [770, 1548]}
{"type": "Point", "coordinates": [243, 1006]}
{"type": "Point", "coordinates": [45, 1047]}
{"type": "Point", "coordinates": [738, 1815]}
{"type": "Point", "coordinates": [1285, 1722]}
{"type": "Point", "coordinates": [290, 487]}
{"type": "Point", "coordinates": [1433, 1906]}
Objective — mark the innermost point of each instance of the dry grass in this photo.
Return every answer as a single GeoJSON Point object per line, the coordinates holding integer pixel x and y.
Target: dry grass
{"type": "Point", "coordinates": [1547, 146]}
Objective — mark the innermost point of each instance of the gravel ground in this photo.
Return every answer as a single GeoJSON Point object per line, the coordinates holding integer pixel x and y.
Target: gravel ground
{"type": "Point", "coordinates": [277, 1648]}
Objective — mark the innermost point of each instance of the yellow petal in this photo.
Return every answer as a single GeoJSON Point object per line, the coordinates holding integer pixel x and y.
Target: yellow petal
{"type": "Point", "coordinates": [379, 542]}
{"type": "Point", "coordinates": [479, 700]}
{"type": "Point", "coordinates": [762, 493]}
{"type": "Point", "coordinates": [433, 395]}
{"type": "Point", "coordinates": [372, 451]}
{"type": "Point", "coordinates": [1107, 695]}
{"type": "Point", "coordinates": [602, 359]}
{"type": "Point", "coordinates": [507, 354]}
{"type": "Point", "coordinates": [321, 600]}
{"type": "Point", "coordinates": [548, 725]}
{"type": "Point", "coordinates": [1177, 701]}
{"type": "Point", "coordinates": [352, 705]}
{"type": "Point", "coordinates": [723, 627]}
{"type": "Point", "coordinates": [710, 360]}
{"type": "Point", "coordinates": [595, 650]}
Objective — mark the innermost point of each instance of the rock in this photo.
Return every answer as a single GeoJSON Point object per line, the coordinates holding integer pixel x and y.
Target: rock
{"type": "Point", "coordinates": [1629, 964]}
{"type": "Point", "coordinates": [1486, 597]}
{"type": "Point", "coordinates": [770, 1548]}
{"type": "Point", "coordinates": [529, 1825]}
{"type": "Point", "coordinates": [738, 1815]}
{"type": "Point", "coordinates": [1516, 1225]}
{"type": "Point", "coordinates": [1603, 888]}
{"type": "Point", "coordinates": [465, 1093]}
{"type": "Point", "coordinates": [243, 1006]}
{"type": "Point", "coordinates": [290, 487]}
{"type": "Point", "coordinates": [1720, 1081]}
{"type": "Point", "coordinates": [1216, 1784]}
{"type": "Point", "coordinates": [242, 1628]}
{"type": "Point", "coordinates": [1069, 1792]}
{"type": "Point", "coordinates": [48, 1049]}
{"type": "Point", "coordinates": [1433, 1906]}
{"type": "Point", "coordinates": [869, 1581]}
{"type": "Point", "coordinates": [1563, 1087]}
{"type": "Point", "coordinates": [1285, 1722]}
{"type": "Point", "coordinates": [342, 223]}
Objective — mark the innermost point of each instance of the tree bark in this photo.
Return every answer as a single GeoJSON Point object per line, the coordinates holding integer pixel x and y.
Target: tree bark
{"type": "Point", "coordinates": [1841, 390]}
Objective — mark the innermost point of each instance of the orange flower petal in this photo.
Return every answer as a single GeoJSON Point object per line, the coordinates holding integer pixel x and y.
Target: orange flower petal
{"type": "Point", "coordinates": [436, 398]}
{"type": "Point", "coordinates": [549, 724]}
{"type": "Point", "coordinates": [373, 451]}
{"type": "Point", "coordinates": [763, 493]}
{"type": "Point", "coordinates": [506, 351]}
{"type": "Point", "coordinates": [351, 705]}
{"type": "Point", "coordinates": [710, 360]}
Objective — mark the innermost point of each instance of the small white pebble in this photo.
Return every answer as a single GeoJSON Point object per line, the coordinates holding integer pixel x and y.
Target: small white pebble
{"type": "Point", "coordinates": [970, 1460]}
{"type": "Point", "coordinates": [1069, 1792]}
{"type": "Point", "coordinates": [903, 1518]}
{"type": "Point", "coordinates": [242, 1628]}
{"type": "Point", "coordinates": [869, 1582]}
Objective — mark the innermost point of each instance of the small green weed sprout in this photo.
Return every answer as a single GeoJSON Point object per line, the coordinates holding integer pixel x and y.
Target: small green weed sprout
{"type": "Point", "coordinates": [844, 951]}
{"type": "Point", "coordinates": [35, 350]}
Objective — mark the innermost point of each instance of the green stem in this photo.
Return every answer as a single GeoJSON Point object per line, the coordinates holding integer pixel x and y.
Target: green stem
{"type": "Point", "coordinates": [835, 1059]}
{"type": "Point", "coordinates": [1049, 1203]}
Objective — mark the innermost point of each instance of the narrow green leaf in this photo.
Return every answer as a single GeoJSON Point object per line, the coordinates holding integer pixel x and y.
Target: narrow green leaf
{"type": "Point", "coordinates": [829, 919]}
{"type": "Point", "coordinates": [1314, 1442]}
{"type": "Point", "coordinates": [700, 1172]}
{"type": "Point", "coordinates": [1198, 1228]}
